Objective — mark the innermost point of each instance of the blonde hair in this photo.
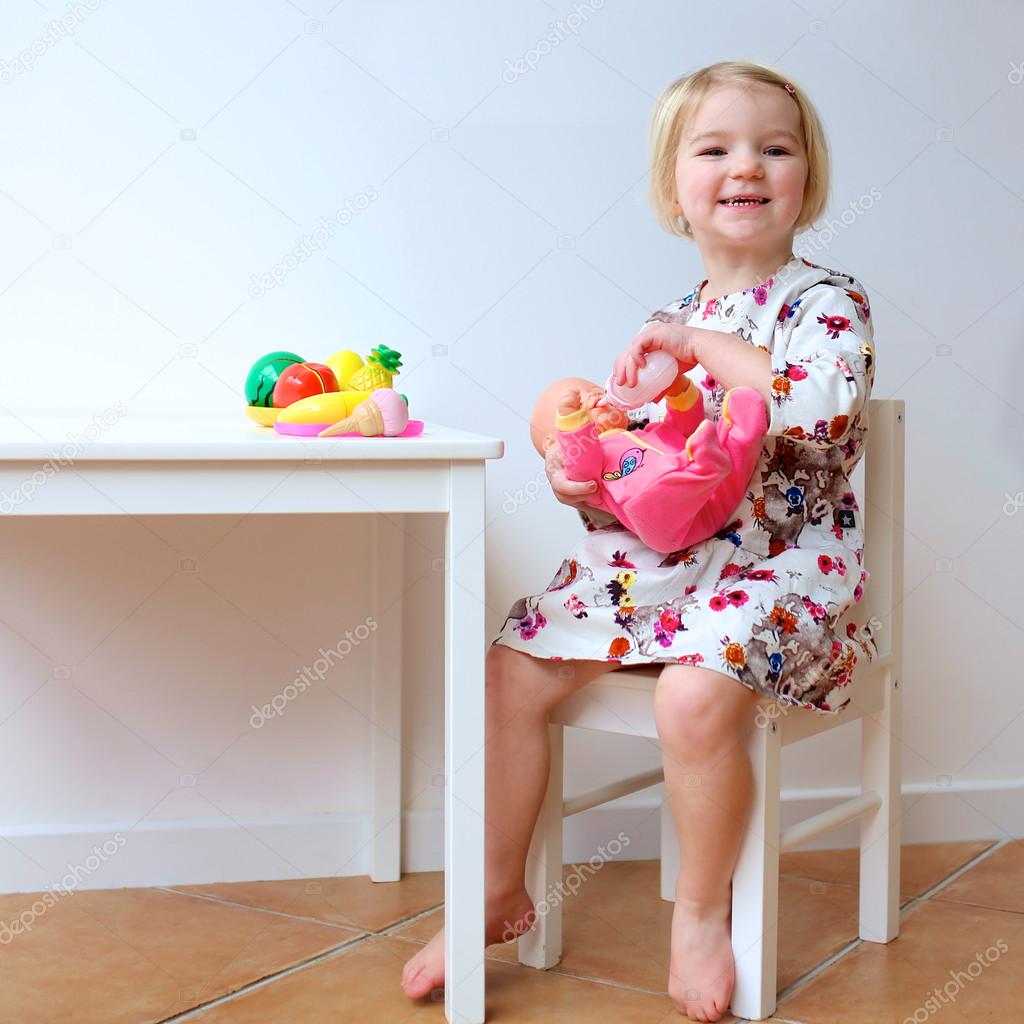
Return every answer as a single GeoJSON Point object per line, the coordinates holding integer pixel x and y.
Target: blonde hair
{"type": "Point", "coordinates": [679, 102]}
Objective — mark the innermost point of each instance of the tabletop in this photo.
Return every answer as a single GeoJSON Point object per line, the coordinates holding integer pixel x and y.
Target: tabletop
{"type": "Point", "coordinates": [220, 437]}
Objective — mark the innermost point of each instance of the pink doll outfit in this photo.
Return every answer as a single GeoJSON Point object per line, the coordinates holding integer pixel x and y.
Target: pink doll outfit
{"type": "Point", "coordinates": [675, 482]}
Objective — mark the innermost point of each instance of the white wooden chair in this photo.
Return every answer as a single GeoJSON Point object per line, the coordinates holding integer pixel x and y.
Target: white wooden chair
{"type": "Point", "coordinates": [623, 702]}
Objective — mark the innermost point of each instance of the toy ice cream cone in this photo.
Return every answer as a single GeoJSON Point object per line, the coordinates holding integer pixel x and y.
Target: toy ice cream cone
{"type": "Point", "coordinates": [384, 412]}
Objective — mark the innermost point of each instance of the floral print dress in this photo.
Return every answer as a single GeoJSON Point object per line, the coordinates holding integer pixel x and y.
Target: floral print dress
{"type": "Point", "coordinates": [759, 601]}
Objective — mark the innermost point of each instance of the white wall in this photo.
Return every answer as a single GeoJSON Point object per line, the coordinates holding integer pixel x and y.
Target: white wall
{"type": "Point", "coordinates": [159, 159]}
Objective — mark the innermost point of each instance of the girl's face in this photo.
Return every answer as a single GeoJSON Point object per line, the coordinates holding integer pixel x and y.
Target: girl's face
{"type": "Point", "coordinates": [742, 141]}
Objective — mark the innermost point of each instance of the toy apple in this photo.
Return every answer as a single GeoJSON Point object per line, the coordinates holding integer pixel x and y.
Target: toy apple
{"type": "Point", "coordinates": [301, 380]}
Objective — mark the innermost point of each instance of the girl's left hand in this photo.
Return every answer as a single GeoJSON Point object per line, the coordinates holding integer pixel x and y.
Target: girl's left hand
{"type": "Point", "coordinates": [678, 340]}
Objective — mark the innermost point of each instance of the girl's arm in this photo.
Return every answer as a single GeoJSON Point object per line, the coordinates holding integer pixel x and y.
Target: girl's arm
{"type": "Point", "coordinates": [734, 362]}
{"type": "Point", "coordinates": [818, 378]}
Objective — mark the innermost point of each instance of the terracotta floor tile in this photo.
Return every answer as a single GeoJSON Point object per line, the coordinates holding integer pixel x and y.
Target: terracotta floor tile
{"type": "Point", "coordinates": [816, 920]}
{"type": "Point", "coordinates": [362, 985]}
{"type": "Point", "coordinates": [972, 957]}
{"type": "Point", "coordinates": [352, 901]}
{"type": "Point", "coordinates": [922, 865]}
{"type": "Point", "coordinates": [996, 882]}
{"type": "Point", "coordinates": [139, 955]}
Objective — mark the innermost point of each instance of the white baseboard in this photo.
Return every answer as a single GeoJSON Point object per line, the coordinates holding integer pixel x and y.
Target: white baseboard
{"type": "Point", "coordinates": [36, 859]}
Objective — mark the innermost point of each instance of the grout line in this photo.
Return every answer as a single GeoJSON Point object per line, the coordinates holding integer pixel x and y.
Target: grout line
{"type": "Point", "coordinates": [942, 883]}
{"type": "Point", "coordinates": [409, 920]}
{"type": "Point", "coordinates": [271, 978]}
{"type": "Point", "coordinates": [265, 910]}
{"type": "Point", "coordinates": [603, 981]}
{"type": "Point", "coordinates": [805, 979]}
{"type": "Point", "coordinates": [263, 982]}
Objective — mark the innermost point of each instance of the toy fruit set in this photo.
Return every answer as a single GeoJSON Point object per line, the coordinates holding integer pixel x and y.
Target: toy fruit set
{"type": "Point", "coordinates": [346, 396]}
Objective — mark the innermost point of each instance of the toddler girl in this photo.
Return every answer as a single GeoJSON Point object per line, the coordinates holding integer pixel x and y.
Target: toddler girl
{"type": "Point", "coordinates": [739, 165]}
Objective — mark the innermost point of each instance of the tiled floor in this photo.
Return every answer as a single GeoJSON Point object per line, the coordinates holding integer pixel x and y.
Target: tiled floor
{"type": "Point", "coordinates": [329, 951]}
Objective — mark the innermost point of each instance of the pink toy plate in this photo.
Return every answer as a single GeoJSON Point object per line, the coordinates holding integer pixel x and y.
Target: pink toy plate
{"type": "Point", "coordinates": [413, 429]}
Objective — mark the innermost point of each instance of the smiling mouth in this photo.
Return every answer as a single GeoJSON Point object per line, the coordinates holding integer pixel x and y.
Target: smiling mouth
{"type": "Point", "coordinates": [743, 202]}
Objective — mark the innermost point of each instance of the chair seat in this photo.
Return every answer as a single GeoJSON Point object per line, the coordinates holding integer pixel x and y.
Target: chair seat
{"type": "Point", "coordinates": [622, 702]}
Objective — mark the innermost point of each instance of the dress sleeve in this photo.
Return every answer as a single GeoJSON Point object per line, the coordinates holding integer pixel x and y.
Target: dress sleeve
{"type": "Point", "coordinates": [824, 367]}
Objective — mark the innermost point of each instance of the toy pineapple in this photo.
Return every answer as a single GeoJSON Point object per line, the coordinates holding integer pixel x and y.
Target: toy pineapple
{"type": "Point", "coordinates": [381, 366]}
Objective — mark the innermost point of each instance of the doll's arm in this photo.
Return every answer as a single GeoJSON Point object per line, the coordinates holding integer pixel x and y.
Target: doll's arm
{"type": "Point", "coordinates": [684, 411]}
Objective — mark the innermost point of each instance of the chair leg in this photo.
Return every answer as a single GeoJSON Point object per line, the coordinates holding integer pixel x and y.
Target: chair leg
{"type": "Point", "coordinates": [880, 832]}
{"type": "Point", "coordinates": [541, 946]}
{"type": "Point", "coordinates": [755, 884]}
{"type": "Point", "coordinates": [669, 853]}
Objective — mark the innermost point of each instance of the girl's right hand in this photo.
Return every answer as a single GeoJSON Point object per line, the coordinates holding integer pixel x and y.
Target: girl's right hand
{"type": "Point", "coordinates": [569, 492]}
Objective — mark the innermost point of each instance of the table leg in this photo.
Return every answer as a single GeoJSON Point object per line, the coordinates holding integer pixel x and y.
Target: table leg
{"type": "Point", "coordinates": [463, 746]}
{"type": "Point", "coordinates": [387, 583]}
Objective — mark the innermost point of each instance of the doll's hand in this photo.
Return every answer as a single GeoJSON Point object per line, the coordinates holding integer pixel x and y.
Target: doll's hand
{"type": "Point", "coordinates": [571, 400]}
{"type": "Point", "coordinates": [678, 340]}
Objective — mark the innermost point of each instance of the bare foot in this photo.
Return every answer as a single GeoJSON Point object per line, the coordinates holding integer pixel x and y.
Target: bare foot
{"type": "Point", "coordinates": [506, 919]}
{"type": "Point", "coordinates": [702, 972]}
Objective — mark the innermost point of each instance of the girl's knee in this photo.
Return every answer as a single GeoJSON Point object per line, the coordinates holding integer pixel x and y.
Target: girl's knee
{"type": "Point", "coordinates": [700, 707]}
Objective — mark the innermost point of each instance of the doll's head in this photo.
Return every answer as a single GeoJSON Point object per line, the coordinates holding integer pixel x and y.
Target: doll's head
{"type": "Point", "coordinates": [737, 128]}
{"type": "Point", "coordinates": [542, 421]}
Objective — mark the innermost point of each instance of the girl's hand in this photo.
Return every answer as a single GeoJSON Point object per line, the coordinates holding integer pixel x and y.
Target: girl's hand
{"type": "Point", "coordinates": [568, 492]}
{"type": "Point", "coordinates": [679, 340]}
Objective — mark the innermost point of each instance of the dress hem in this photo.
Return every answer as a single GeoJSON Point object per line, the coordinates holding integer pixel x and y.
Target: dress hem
{"type": "Point", "coordinates": [640, 663]}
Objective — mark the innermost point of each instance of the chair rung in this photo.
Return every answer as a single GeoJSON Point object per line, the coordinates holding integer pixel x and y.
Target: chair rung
{"type": "Point", "coordinates": [601, 795]}
{"type": "Point", "coordinates": [848, 810]}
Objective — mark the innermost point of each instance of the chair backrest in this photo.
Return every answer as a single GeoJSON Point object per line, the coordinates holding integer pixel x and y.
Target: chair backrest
{"type": "Point", "coordinates": [884, 462]}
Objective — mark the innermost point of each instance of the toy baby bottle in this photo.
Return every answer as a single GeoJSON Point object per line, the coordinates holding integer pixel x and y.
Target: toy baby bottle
{"type": "Point", "coordinates": [653, 378]}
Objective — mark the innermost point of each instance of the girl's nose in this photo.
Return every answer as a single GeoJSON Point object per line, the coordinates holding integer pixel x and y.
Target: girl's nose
{"type": "Point", "coordinates": [745, 168]}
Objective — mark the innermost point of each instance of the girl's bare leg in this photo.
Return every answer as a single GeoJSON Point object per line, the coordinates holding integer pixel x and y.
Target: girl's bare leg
{"type": "Point", "coordinates": [521, 691]}
{"type": "Point", "coordinates": [703, 718]}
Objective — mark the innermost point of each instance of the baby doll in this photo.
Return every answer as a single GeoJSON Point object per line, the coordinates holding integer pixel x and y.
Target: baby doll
{"type": "Point", "coordinates": [673, 483]}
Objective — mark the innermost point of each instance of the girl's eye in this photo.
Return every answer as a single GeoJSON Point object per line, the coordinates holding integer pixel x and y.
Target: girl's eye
{"type": "Point", "coordinates": [718, 149]}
